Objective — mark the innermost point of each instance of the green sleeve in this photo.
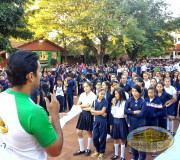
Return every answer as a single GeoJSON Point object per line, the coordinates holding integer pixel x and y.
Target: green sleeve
{"type": "Point", "coordinates": [41, 128]}
{"type": "Point", "coordinates": [35, 121]}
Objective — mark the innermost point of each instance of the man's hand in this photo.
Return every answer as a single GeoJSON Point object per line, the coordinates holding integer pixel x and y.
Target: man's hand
{"type": "Point", "coordinates": [53, 106]}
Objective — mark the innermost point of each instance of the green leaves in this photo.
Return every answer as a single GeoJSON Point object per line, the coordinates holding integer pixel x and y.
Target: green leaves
{"type": "Point", "coordinates": [12, 22]}
{"type": "Point", "coordinates": [133, 27]}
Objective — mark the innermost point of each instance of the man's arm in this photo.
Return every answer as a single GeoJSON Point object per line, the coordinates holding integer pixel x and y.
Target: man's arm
{"type": "Point", "coordinates": [55, 149]}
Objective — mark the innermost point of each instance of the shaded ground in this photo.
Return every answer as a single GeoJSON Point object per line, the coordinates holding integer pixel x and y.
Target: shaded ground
{"type": "Point", "coordinates": [71, 144]}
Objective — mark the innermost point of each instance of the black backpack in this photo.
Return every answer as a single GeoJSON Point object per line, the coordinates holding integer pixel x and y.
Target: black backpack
{"type": "Point", "coordinates": [61, 86]}
{"type": "Point", "coordinates": [74, 86]}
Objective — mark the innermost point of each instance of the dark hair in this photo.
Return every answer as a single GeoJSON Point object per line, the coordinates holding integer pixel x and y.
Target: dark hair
{"type": "Point", "coordinates": [107, 84]}
{"type": "Point", "coordinates": [69, 75]}
{"type": "Point", "coordinates": [154, 79]}
{"type": "Point", "coordinates": [59, 79]}
{"type": "Point", "coordinates": [101, 89]}
{"type": "Point", "coordinates": [139, 79]}
{"type": "Point", "coordinates": [161, 83]}
{"type": "Point", "coordinates": [95, 74]}
{"type": "Point", "coordinates": [19, 64]}
{"type": "Point", "coordinates": [114, 81]}
{"type": "Point", "coordinates": [83, 75]}
{"type": "Point", "coordinates": [88, 83]}
{"type": "Point", "coordinates": [122, 95]}
{"type": "Point", "coordinates": [152, 88]}
{"type": "Point", "coordinates": [137, 87]}
{"type": "Point", "coordinates": [98, 81]}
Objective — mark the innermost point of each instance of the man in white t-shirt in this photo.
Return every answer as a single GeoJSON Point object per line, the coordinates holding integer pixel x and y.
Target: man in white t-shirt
{"type": "Point", "coordinates": [25, 130]}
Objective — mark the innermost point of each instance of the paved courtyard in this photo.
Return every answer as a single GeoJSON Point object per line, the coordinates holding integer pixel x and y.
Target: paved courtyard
{"type": "Point", "coordinates": [71, 144]}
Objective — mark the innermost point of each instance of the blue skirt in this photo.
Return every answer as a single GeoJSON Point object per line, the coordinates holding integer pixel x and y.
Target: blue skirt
{"type": "Point", "coordinates": [120, 129]}
{"type": "Point", "coordinates": [85, 121]}
{"type": "Point", "coordinates": [171, 110]}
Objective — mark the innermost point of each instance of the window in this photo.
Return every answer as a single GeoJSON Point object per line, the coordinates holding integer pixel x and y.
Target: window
{"type": "Point", "coordinates": [178, 39]}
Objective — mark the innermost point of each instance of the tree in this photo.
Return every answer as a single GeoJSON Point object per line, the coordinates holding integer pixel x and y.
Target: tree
{"type": "Point", "coordinates": [135, 27]}
{"type": "Point", "coordinates": [149, 35]}
{"type": "Point", "coordinates": [12, 22]}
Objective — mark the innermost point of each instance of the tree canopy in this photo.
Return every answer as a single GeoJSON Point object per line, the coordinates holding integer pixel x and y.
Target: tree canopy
{"type": "Point", "coordinates": [135, 27]}
{"type": "Point", "coordinates": [12, 22]}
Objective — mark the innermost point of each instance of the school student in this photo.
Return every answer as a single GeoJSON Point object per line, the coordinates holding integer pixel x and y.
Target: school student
{"type": "Point", "coordinates": [97, 86]}
{"type": "Point", "coordinates": [153, 108]}
{"type": "Point", "coordinates": [144, 91]}
{"type": "Point", "coordinates": [59, 90]}
{"type": "Point", "coordinates": [153, 82]}
{"type": "Point", "coordinates": [85, 121]}
{"type": "Point", "coordinates": [134, 109]}
{"type": "Point", "coordinates": [170, 110]}
{"type": "Point", "coordinates": [146, 80]}
{"type": "Point", "coordinates": [98, 109]}
{"type": "Point", "coordinates": [108, 97]}
{"type": "Point", "coordinates": [166, 100]}
{"type": "Point", "coordinates": [124, 84]}
{"type": "Point", "coordinates": [120, 127]}
{"type": "Point", "coordinates": [177, 86]}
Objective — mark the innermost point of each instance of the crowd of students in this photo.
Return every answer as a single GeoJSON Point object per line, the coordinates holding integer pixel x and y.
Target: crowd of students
{"type": "Point", "coordinates": [115, 100]}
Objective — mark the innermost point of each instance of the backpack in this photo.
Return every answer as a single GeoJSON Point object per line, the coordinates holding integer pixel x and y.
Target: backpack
{"type": "Point", "coordinates": [74, 86]}
{"type": "Point", "coordinates": [61, 86]}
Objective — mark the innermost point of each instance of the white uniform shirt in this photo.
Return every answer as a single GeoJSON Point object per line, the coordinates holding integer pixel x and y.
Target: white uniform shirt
{"type": "Point", "coordinates": [143, 68]}
{"type": "Point", "coordinates": [87, 98]}
{"type": "Point", "coordinates": [171, 90]}
{"type": "Point", "coordinates": [147, 84]}
{"type": "Point", "coordinates": [59, 90]}
{"type": "Point", "coordinates": [118, 110]}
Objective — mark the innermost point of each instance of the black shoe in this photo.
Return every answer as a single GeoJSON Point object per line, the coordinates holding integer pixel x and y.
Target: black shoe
{"type": "Point", "coordinates": [114, 157]}
{"type": "Point", "coordinates": [173, 133]}
{"type": "Point", "coordinates": [122, 158]}
{"type": "Point", "coordinates": [78, 153]}
{"type": "Point", "coordinates": [87, 152]}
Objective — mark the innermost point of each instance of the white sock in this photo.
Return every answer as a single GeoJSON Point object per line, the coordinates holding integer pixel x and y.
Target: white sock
{"type": "Point", "coordinates": [89, 143]}
{"type": "Point", "coordinates": [81, 144]}
{"type": "Point", "coordinates": [167, 124]}
{"type": "Point", "coordinates": [171, 126]}
{"type": "Point", "coordinates": [122, 150]}
{"type": "Point", "coordinates": [116, 147]}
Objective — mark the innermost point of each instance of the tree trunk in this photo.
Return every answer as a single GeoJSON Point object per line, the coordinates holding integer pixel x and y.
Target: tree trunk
{"type": "Point", "coordinates": [99, 59]}
{"type": "Point", "coordinates": [132, 54]}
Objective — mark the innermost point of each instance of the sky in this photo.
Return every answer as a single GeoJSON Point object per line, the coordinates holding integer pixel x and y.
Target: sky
{"type": "Point", "coordinates": [174, 6]}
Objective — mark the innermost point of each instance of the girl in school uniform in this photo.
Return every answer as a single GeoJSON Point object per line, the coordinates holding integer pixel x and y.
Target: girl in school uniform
{"type": "Point", "coordinates": [153, 107]}
{"type": "Point", "coordinates": [171, 109]}
{"type": "Point", "coordinates": [98, 86]}
{"type": "Point", "coordinates": [166, 100]}
{"type": "Point", "coordinates": [85, 121]}
{"type": "Point", "coordinates": [59, 90]}
{"type": "Point", "coordinates": [99, 108]}
{"type": "Point", "coordinates": [144, 91]}
{"type": "Point", "coordinates": [177, 87]}
{"type": "Point", "coordinates": [108, 97]}
{"type": "Point", "coordinates": [134, 109]}
{"type": "Point", "coordinates": [120, 127]}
